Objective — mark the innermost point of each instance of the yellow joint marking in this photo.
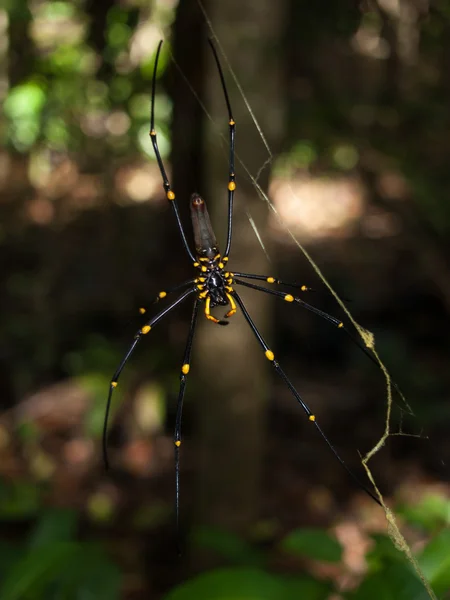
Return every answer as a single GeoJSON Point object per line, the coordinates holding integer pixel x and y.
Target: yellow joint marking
{"type": "Point", "coordinates": [200, 286]}
{"type": "Point", "coordinates": [162, 294]}
{"type": "Point", "coordinates": [304, 288]}
{"type": "Point", "coordinates": [196, 264]}
{"type": "Point", "coordinates": [271, 280]}
{"type": "Point", "coordinates": [232, 122]}
{"type": "Point", "coordinates": [221, 265]}
{"type": "Point", "coordinates": [177, 443]}
{"type": "Point", "coordinates": [312, 417]}
{"type": "Point", "coordinates": [217, 256]}
{"type": "Point", "coordinates": [170, 195]}
{"type": "Point", "coordinates": [230, 280]}
{"type": "Point", "coordinates": [114, 384]}
{"type": "Point", "coordinates": [270, 355]}
{"type": "Point", "coordinates": [225, 259]}
{"type": "Point", "coordinates": [185, 369]}
{"type": "Point", "coordinates": [232, 186]}
{"type": "Point", "coordinates": [202, 278]}
{"type": "Point", "coordinates": [203, 294]}
{"type": "Point", "coordinates": [153, 132]}
{"type": "Point", "coordinates": [289, 298]}
{"type": "Point", "coordinates": [204, 269]}
{"type": "Point", "coordinates": [145, 329]}
{"type": "Point", "coordinates": [204, 258]}
{"type": "Point", "coordinates": [228, 288]}
{"type": "Point", "coordinates": [142, 311]}
{"type": "Point", "coordinates": [341, 325]}
{"type": "Point", "coordinates": [227, 274]}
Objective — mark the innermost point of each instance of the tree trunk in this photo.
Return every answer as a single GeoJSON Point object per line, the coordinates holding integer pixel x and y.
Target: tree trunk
{"type": "Point", "coordinates": [233, 372]}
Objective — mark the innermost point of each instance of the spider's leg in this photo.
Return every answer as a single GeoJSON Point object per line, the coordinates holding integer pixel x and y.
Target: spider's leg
{"type": "Point", "coordinates": [143, 331]}
{"type": "Point", "coordinates": [271, 357]}
{"type": "Point", "coordinates": [164, 293]}
{"type": "Point", "coordinates": [271, 279]}
{"type": "Point", "coordinates": [177, 435]}
{"type": "Point", "coordinates": [231, 173]}
{"type": "Point", "coordinates": [332, 320]}
{"type": "Point", "coordinates": [169, 193]}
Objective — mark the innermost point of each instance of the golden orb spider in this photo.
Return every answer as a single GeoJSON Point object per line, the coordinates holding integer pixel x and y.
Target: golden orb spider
{"type": "Point", "coordinates": [214, 285]}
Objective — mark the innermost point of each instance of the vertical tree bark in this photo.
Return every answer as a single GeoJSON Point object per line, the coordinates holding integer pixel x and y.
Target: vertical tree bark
{"type": "Point", "coordinates": [234, 374]}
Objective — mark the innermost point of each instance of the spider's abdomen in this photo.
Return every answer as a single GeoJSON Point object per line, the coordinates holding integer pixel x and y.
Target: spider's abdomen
{"type": "Point", "coordinates": [205, 240]}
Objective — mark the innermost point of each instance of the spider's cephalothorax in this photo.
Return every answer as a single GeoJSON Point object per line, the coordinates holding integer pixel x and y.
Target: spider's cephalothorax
{"type": "Point", "coordinates": [213, 282]}
{"type": "Point", "coordinates": [214, 286]}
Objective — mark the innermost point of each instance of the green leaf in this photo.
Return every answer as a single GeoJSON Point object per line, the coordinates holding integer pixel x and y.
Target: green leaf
{"type": "Point", "coordinates": [394, 582]}
{"type": "Point", "coordinates": [313, 543]}
{"type": "Point", "coordinates": [36, 569]}
{"type": "Point", "coordinates": [228, 545]}
{"type": "Point", "coordinates": [431, 512]}
{"type": "Point", "coordinates": [435, 562]}
{"type": "Point", "coordinates": [247, 584]}
{"type": "Point", "coordinates": [55, 525]}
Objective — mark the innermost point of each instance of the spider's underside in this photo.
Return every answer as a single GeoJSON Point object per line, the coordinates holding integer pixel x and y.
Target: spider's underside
{"type": "Point", "coordinates": [213, 286]}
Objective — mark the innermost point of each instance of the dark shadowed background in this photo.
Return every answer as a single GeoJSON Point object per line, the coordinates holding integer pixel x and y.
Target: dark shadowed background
{"type": "Point", "coordinates": [353, 103]}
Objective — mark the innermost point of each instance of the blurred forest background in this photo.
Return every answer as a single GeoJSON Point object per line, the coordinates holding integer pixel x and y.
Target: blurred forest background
{"type": "Point", "coordinates": [353, 102]}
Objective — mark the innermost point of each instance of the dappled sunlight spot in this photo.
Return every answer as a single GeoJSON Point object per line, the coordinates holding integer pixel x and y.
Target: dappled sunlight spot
{"type": "Point", "coordinates": [93, 124]}
{"type": "Point", "coordinates": [102, 504]}
{"type": "Point", "coordinates": [40, 211]}
{"type": "Point", "coordinates": [149, 408]}
{"type": "Point", "coordinates": [144, 42]}
{"type": "Point", "coordinates": [316, 208]}
{"type": "Point", "coordinates": [393, 185]}
{"type": "Point", "coordinates": [45, 409]}
{"type": "Point", "coordinates": [50, 28]}
{"type": "Point", "coordinates": [139, 183]}
{"type": "Point", "coordinates": [88, 191]}
{"type": "Point", "coordinates": [118, 123]}
{"type": "Point", "coordinates": [42, 465]}
{"type": "Point", "coordinates": [58, 179]}
{"type": "Point", "coordinates": [79, 452]}
{"type": "Point", "coordinates": [138, 457]}
{"type": "Point", "coordinates": [355, 543]}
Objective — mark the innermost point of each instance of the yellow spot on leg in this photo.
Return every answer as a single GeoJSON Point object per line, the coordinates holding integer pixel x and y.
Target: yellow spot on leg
{"type": "Point", "coordinates": [270, 355]}
{"type": "Point", "coordinates": [304, 288]}
{"type": "Point", "coordinates": [114, 384]}
{"type": "Point", "coordinates": [178, 443]}
{"type": "Point", "coordinates": [185, 369]}
{"type": "Point", "coordinates": [312, 417]}
{"type": "Point", "coordinates": [170, 195]}
{"type": "Point", "coordinates": [142, 311]}
{"type": "Point", "coordinates": [341, 325]}
{"type": "Point", "coordinates": [232, 186]}
{"type": "Point", "coordinates": [162, 294]}
{"type": "Point", "coordinates": [271, 280]}
{"type": "Point", "coordinates": [289, 298]}
{"type": "Point", "coordinates": [145, 329]}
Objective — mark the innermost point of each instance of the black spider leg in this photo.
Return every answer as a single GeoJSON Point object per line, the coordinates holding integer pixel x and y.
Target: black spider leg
{"type": "Point", "coordinates": [164, 293]}
{"type": "Point", "coordinates": [271, 357]}
{"type": "Point", "coordinates": [333, 320]}
{"type": "Point", "coordinates": [231, 173]}
{"type": "Point", "coordinates": [143, 331]}
{"type": "Point", "coordinates": [177, 435]}
{"type": "Point", "coordinates": [169, 193]}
